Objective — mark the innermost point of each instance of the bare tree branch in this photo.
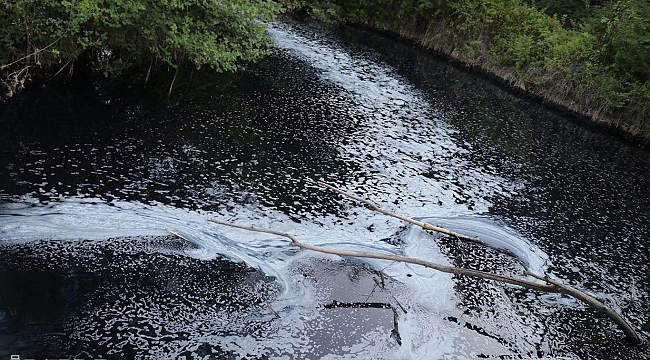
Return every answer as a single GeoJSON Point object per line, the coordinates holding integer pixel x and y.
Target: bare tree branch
{"type": "Point", "coordinates": [421, 224]}
{"type": "Point", "coordinates": [425, 226]}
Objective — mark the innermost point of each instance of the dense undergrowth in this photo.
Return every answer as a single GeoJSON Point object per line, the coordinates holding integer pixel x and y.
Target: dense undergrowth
{"type": "Point", "coordinates": [593, 58]}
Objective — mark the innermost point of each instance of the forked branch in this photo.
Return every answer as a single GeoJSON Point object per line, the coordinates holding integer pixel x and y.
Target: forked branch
{"type": "Point", "coordinates": [425, 226]}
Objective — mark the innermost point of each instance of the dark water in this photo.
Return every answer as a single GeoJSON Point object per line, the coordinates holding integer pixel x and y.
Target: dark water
{"type": "Point", "coordinates": [92, 173]}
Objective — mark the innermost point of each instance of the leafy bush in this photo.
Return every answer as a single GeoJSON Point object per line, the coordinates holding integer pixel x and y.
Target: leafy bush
{"type": "Point", "coordinates": [114, 34]}
{"type": "Point", "coordinates": [623, 32]}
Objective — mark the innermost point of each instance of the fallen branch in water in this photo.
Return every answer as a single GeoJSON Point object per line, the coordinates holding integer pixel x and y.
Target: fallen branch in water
{"type": "Point", "coordinates": [425, 226]}
{"type": "Point", "coordinates": [561, 288]}
{"type": "Point", "coordinates": [551, 286]}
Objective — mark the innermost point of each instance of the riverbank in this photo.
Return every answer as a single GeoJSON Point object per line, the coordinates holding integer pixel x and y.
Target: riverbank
{"type": "Point", "coordinates": [521, 48]}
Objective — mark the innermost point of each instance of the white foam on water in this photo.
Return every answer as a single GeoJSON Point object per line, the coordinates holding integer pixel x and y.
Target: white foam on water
{"type": "Point", "coordinates": [398, 150]}
{"type": "Point", "coordinates": [431, 297]}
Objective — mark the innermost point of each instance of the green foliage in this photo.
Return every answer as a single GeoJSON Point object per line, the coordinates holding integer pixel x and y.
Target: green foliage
{"type": "Point", "coordinates": [571, 12]}
{"type": "Point", "coordinates": [113, 34]}
{"type": "Point", "coordinates": [623, 31]}
{"type": "Point", "coordinates": [590, 55]}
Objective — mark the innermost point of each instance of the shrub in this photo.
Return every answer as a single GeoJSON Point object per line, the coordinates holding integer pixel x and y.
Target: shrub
{"type": "Point", "coordinates": [114, 34]}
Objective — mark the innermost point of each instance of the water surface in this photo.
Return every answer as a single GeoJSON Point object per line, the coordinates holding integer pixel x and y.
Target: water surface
{"type": "Point", "coordinates": [92, 174]}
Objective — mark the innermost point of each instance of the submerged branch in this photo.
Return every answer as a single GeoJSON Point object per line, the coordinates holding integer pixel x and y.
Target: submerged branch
{"type": "Point", "coordinates": [551, 286]}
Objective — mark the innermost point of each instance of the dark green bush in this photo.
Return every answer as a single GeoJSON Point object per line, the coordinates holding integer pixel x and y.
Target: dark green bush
{"type": "Point", "coordinates": [114, 34]}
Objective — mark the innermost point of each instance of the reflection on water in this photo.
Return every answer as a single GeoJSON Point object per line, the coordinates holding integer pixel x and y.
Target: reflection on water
{"type": "Point", "coordinates": [90, 178]}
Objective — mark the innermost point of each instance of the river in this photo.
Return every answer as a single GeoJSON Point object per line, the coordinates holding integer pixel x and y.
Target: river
{"type": "Point", "coordinates": [91, 175]}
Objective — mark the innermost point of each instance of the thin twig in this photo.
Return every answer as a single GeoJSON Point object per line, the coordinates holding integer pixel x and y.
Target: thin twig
{"type": "Point", "coordinates": [394, 298]}
{"type": "Point", "coordinates": [171, 87]}
{"type": "Point", "coordinates": [399, 304]}
{"type": "Point", "coordinates": [31, 54]}
{"type": "Point", "coordinates": [61, 69]}
{"type": "Point", "coordinates": [381, 286]}
{"type": "Point", "coordinates": [272, 310]}
{"type": "Point", "coordinates": [146, 79]}
{"type": "Point", "coordinates": [242, 259]}
{"type": "Point", "coordinates": [373, 290]}
{"type": "Point", "coordinates": [421, 224]}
